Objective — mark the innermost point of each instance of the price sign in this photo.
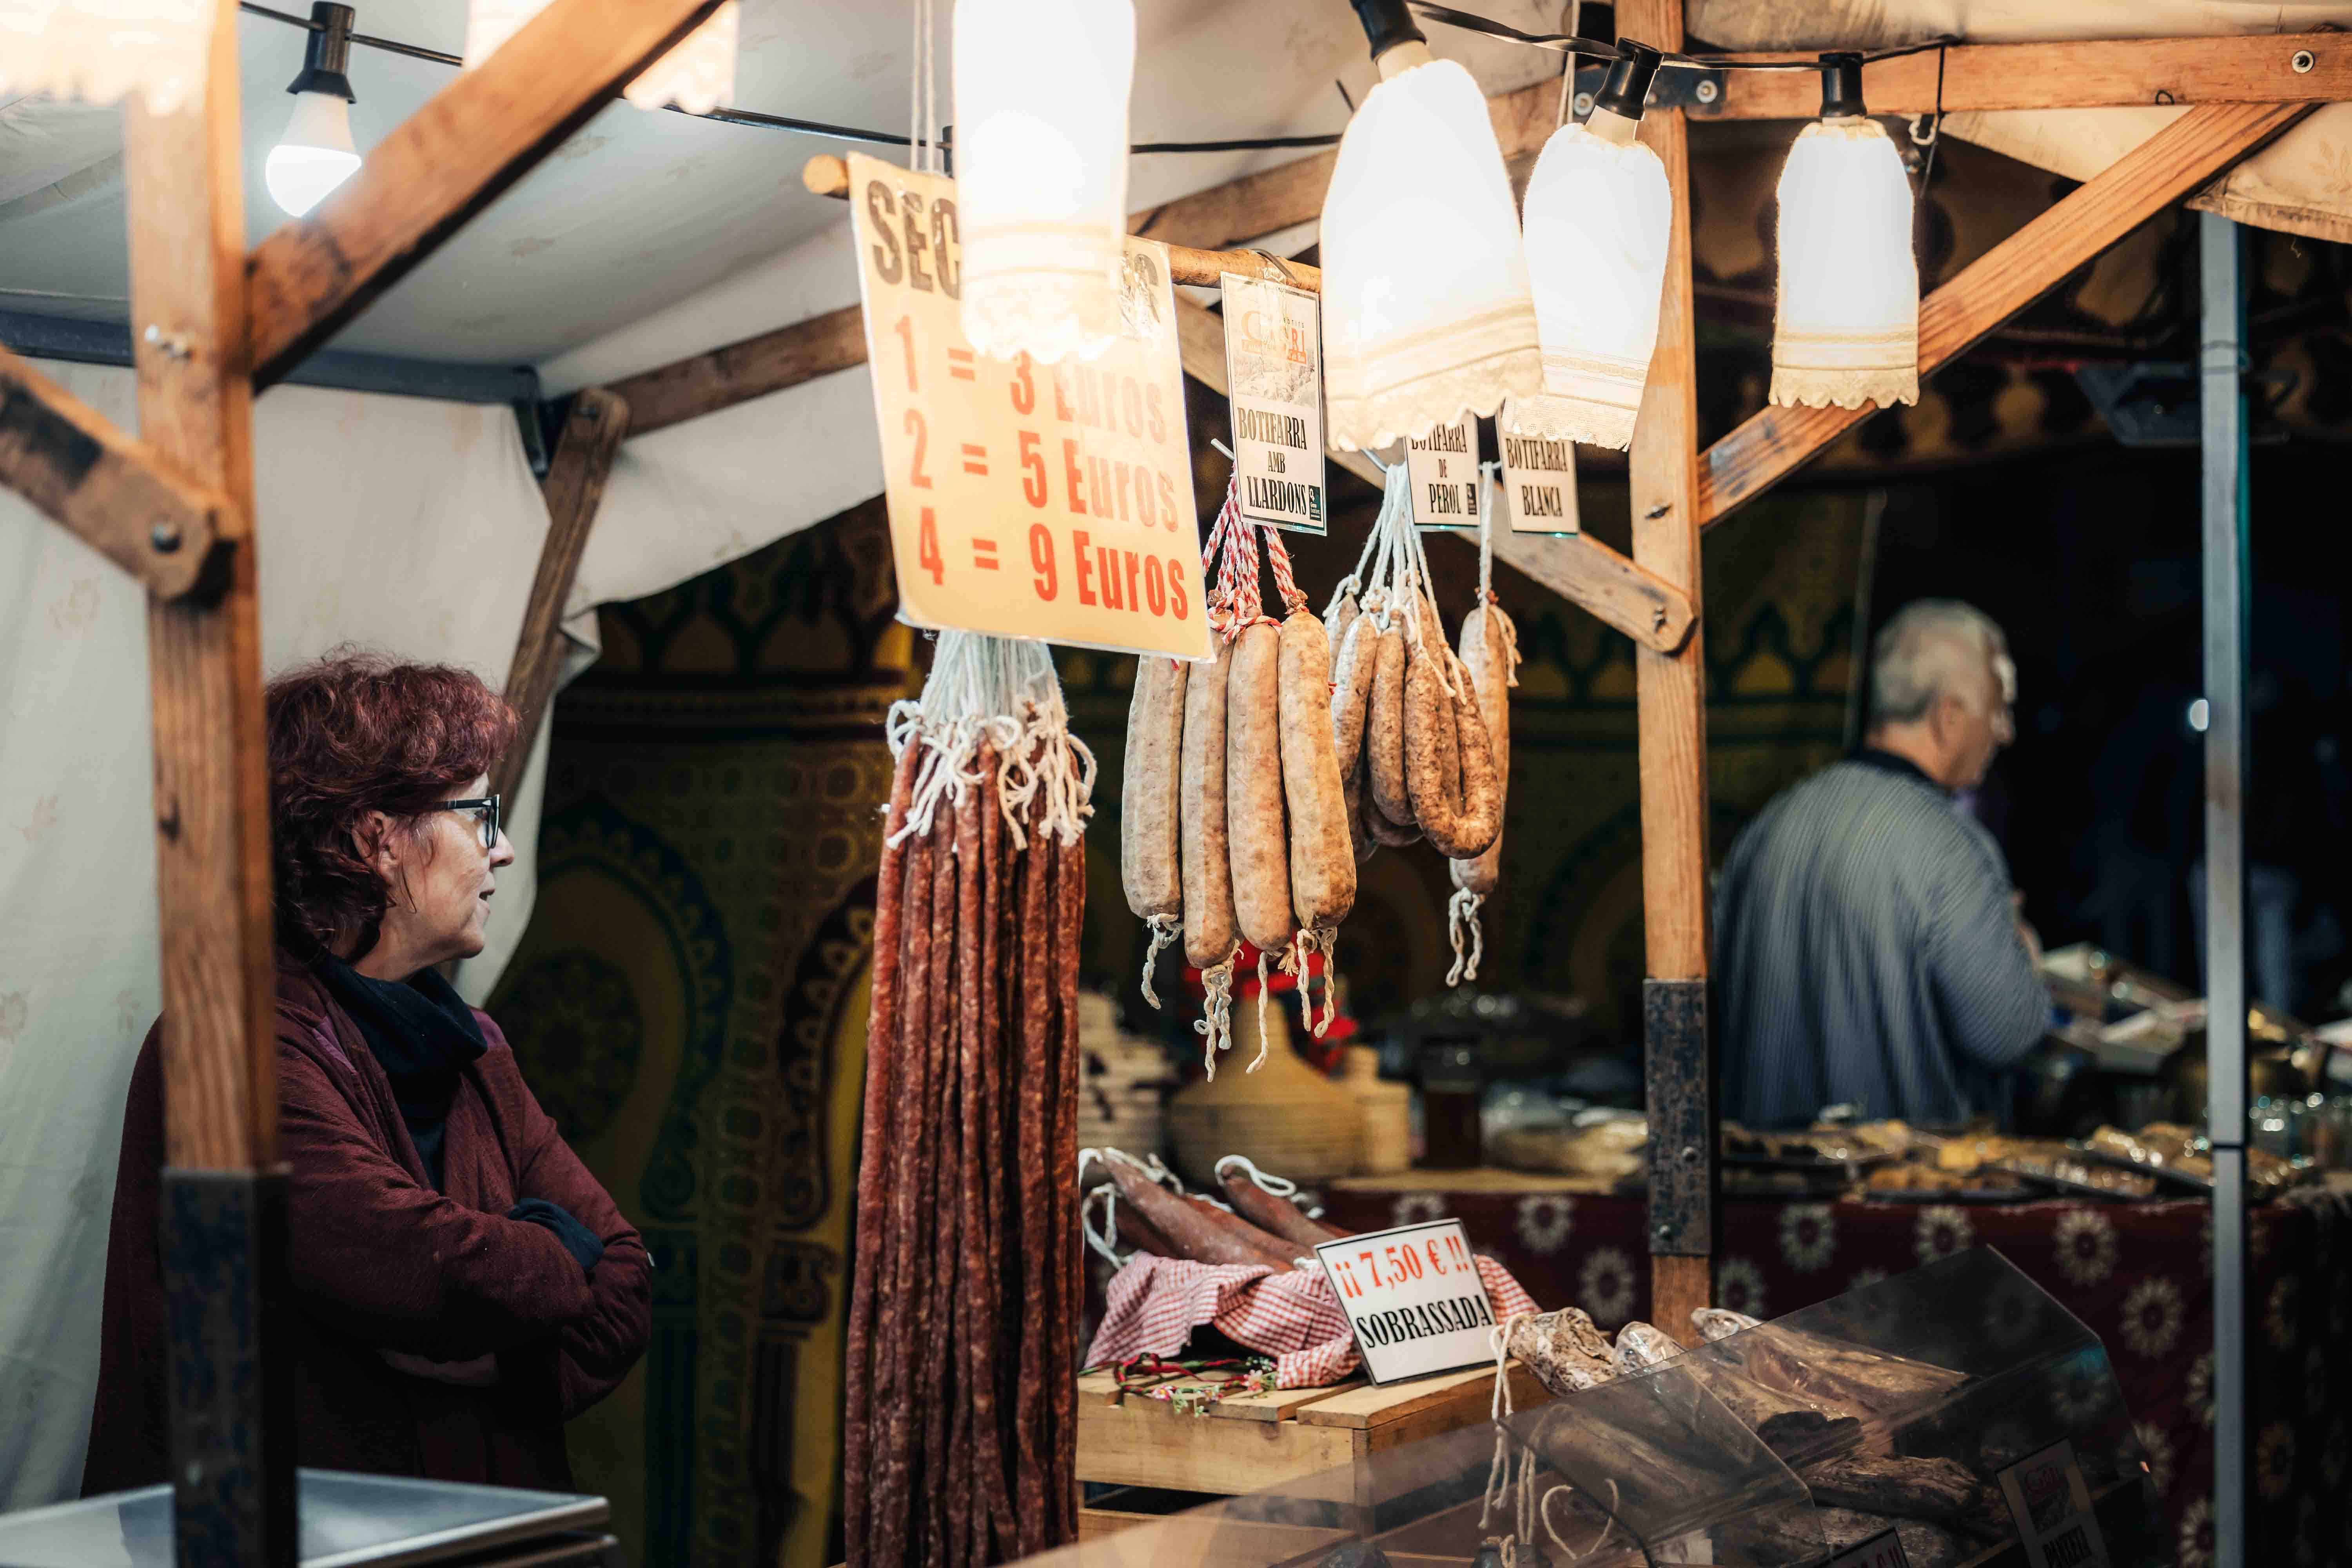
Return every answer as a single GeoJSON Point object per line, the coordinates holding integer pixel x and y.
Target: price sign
{"type": "Point", "coordinates": [1443, 467]}
{"type": "Point", "coordinates": [1026, 501]}
{"type": "Point", "coordinates": [1539, 484]}
{"type": "Point", "coordinates": [1883, 1550]}
{"type": "Point", "coordinates": [1414, 1300]}
{"type": "Point", "coordinates": [2052, 1507]}
{"type": "Point", "coordinates": [1273, 365]}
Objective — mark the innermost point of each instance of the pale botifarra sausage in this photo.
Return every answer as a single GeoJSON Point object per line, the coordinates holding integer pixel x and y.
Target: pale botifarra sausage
{"type": "Point", "coordinates": [1352, 661]}
{"type": "Point", "coordinates": [1343, 616]}
{"type": "Point", "coordinates": [1322, 851]}
{"type": "Point", "coordinates": [1207, 868]}
{"type": "Point", "coordinates": [1384, 728]}
{"type": "Point", "coordinates": [1256, 836]}
{"type": "Point", "coordinates": [1486, 654]}
{"type": "Point", "coordinates": [1458, 806]}
{"type": "Point", "coordinates": [1379, 829]}
{"type": "Point", "coordinates": [1357, 788]}
{"type": "Point", "coordinates": [1432, 642]}
{"type": "Point", "coordinates": [1480, 820]}
{"type": "Point", "coordinates": [1150, 860]}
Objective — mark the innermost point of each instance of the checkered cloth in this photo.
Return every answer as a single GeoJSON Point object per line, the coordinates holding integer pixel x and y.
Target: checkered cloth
{"type": "Point", "coordinates": [1156, 1302]}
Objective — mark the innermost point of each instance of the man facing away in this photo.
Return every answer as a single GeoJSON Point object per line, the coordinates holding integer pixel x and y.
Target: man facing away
{"type": "Point", "coordinates": [1866, 942]}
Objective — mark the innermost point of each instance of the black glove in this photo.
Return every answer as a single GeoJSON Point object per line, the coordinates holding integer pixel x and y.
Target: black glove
{"type": "Point", "coordinates": [577, 1238]}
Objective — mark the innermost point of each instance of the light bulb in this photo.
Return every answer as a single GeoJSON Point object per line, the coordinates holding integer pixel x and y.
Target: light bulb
{"type": "Point", "coordinates": [314, 155]}
{"type": "Point", "coordinates": [1846, 331]}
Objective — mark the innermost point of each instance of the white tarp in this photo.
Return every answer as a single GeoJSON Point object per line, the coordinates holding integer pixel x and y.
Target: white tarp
{"type": "Point", "coordinates": [2300, 184]}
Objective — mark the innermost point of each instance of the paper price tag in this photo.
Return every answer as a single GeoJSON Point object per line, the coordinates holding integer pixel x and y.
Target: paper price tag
{"type": "Point", "coordinates": [1052, 502]}
{"type": "Point", "coordinates": [1273, 365]}
{"type": "Point", "coordinates": [2051, 1506]}
{"type": "Point", "coordinates": [1414, 1300]}
{"type": "Point", "coordinates": [1443, 467]}
{"type": "Point", "coordinates": [1540, 485]}
{"type": "Point", "coordinates": [1883, 1550]}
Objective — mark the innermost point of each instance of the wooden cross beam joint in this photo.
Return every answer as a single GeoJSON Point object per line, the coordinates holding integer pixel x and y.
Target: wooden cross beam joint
{"type": "Point", "coordinates": [121, 496]}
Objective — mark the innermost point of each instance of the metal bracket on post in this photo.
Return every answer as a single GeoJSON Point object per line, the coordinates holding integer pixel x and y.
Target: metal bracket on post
{"type": "Point", "coordinates": [1698, 92]}
{"type": "Point", "coordinates": [1682, 1130]}
{"type": "Point", "coordinates": [224, 1252]}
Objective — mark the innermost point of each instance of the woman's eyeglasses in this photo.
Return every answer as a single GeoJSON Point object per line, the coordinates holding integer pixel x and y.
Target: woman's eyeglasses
{"type": "Point", "coordinates": [485, 811]}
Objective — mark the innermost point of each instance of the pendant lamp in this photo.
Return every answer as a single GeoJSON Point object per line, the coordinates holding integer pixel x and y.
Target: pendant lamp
{"type": "Point", "coordinates": [1847, 330]}
{"type": "Point", "coordinates": [698, 73]}
{"type": "Point", "coordinates": [1040, 161]}
{"type": "Point", "coordinates": [103, 50]}
{"type": "Point", "coordinates": [1426, 313]}
{"type": "Point", "coordinates": [1598, 212]}
{"type": "Point", "coordinates": [315, 153]}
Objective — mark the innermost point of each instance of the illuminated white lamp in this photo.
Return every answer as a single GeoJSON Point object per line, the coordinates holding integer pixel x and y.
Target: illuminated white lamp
{"type": "Point", "coordinates": [315, 153]}
{"type": "Point", "coordinates": [1040, 101]}
{"type": "Point", "coordinates": [1597, 214]}
{"type": "Point", "coordinates": [1426, 313]}
{"type": "Point", "coordinates": [103, 50]}
{"type": "Point", "coordinates": [1847, 332]}
{"type": "Point", "coordinates": [697, 74]}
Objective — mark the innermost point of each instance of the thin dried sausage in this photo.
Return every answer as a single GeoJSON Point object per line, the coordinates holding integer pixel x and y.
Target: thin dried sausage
{"type": "Point", "coordinates": [1278, 1215]}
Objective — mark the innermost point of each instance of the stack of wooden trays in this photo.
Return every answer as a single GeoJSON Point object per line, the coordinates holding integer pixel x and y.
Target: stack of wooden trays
{"type": "Point", "coordinates": [1123, 1085]}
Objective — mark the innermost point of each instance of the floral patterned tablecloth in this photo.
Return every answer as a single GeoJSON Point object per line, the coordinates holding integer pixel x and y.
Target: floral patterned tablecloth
{"type": "Point", "coordinates": [2139, 1275]}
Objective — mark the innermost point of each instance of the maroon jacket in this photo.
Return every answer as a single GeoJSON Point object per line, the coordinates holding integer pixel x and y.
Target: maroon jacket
{"type": "Point", "coordinates": [381, 1262]}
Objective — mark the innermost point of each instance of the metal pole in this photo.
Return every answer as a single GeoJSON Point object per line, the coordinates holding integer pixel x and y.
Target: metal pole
{"type": "Point", "coordinates": [2221, 387]}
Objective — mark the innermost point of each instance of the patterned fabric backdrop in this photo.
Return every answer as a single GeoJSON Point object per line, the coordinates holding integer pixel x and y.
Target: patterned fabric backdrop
{"type": "Point", "coordinates": [2138, 1275]}
{"type": "Point", "coordinates": [689, 1004]}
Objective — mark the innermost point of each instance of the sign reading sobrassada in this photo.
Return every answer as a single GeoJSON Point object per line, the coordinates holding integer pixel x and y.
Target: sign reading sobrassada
{"type": "Point", "coordinates": [1026, 501]}
{"type": "Point", "coordinates": [1443, 467]}
{"type": "Point", "coordinates": [1539, 484]}
{"type": "Point", "coordinates": [1274, 367]}
{"type": "Point", "coordinates": [1414, 1300]}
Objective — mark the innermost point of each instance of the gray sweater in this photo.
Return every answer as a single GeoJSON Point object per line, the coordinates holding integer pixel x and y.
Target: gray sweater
{"type": "Point", "coordinates": [1866, 953]}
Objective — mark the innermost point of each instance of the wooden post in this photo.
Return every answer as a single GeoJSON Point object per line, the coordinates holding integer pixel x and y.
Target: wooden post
{"type": "Point", "coordinates": [574, 486]}
{"type": "Point", "coordinates": [1671, 700]}
{"type": "Point", "coordinates": [224, 1245]}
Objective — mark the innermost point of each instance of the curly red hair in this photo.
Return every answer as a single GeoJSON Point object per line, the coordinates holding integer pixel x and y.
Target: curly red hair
{"type": "Point", "coordinates": [356, 733]}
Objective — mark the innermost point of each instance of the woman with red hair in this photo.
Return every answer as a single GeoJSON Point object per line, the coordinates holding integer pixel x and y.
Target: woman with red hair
{"type": "Point", "coordinates": [462, 1285]}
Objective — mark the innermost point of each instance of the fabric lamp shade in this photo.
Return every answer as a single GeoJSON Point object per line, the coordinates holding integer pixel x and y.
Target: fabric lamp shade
{"type": "Point", "coordinates": [697, 74]}
{"type": "Point", "coordinates": [1598, 213]}
{"type": "Point", "coordinates": [1041, 97]}
{"type": "Point", "coordinates": [1426, 313]}
{"type": "Point", "coordinates": [103, 50]}
{"type": "Point", "coordinates": [1847, 330]}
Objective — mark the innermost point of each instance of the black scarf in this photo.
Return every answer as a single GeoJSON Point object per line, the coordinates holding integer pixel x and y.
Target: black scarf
{"type": "Point", "coordinates": [423, 1035]}
{"type": "Point", "coordinates": [1888, 762]}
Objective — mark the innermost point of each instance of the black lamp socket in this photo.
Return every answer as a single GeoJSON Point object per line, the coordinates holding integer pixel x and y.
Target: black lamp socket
{"type": "Point", "coordinates": [1627, 87]}
{"type": "Point", "coordinates": [1842, 85]}
{"type": "Point", "coordinates": [329, 52]}
{"type": "Point", "coordinates": [1386, 24]}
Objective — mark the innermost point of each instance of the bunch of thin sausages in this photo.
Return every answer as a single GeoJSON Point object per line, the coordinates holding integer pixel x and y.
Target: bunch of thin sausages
{"type": "Point", "coordinates": [961, 1360]}
{"type": "Point", "coordinates": [1153, 1214]}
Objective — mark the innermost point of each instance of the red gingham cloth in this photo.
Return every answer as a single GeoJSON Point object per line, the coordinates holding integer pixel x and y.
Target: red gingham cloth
{"type": "Point", "coordinates": [1156, 1302]}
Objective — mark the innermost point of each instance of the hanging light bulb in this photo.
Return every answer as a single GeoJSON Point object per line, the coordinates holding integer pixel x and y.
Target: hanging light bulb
{"type": "Point", "coordinates": [697, 74]}
{"type": "Point", "coordinates": [1041, 93]}
{"type": "Point", "coordinates": [315, 153]}
{"type": "Point", "coordinates": [1847, 332]}
{"type": "Point", "coordinates": [1426, 314]}
{"type": "Point", "coordinates": [101, 51]}
{"type": "Point", "coordinates": [1598, 212]}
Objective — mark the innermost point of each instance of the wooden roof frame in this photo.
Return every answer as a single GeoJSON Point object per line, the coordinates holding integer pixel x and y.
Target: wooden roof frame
{"type": "Point", "coordinates": [174, 507]}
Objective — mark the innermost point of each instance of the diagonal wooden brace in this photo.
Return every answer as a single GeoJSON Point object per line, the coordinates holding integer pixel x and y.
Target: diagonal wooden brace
{"type": "Point", "coordinates": [120, 495]}
{"type": "Point", "coordinates": [446, 162]}
{"type": "Point", "coordinates": [2174, 163]}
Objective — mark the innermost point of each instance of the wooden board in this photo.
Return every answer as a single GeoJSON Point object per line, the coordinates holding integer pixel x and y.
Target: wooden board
{"type": "Point", "coordinates": [740, 372]}
{"type": "Point", "coordinates": [473, 139]}
{"type": "Point", "coordinates": [2176, 162]}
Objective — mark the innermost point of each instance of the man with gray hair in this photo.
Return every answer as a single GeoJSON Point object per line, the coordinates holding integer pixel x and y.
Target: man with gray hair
{"type": "Point", "coordinates": [1867, 949]}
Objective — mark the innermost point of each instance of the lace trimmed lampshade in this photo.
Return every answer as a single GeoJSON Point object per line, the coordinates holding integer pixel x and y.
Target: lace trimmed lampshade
{"type": "Point", "coordinates": [1040, 148]}
{"type": "Point", "coordinates": [698, 74]}
{"type": "Point", "coordinates": [1426, 313]}
{"type": "Point", "coordinates": [1598, 215]}
{"type": "Point", "coordinates": [1847, 330]}
{"type": "Point", "coordinates": [103, 50]}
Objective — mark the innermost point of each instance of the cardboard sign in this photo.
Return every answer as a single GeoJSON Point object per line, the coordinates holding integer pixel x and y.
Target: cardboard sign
{"type": "Point", "coordinates": [1883, 1550]}
{"type": "Point", "coordinates": [2052, 1505]}
{"type": "Point", "coordinates": [1273, 365]}
{"type": "Point", "coordinates": [1052, 502]}
{"type": "Point", "coordinates": [1540, 485]}
{"type": "Point", "coordinates": [1414, 1300]}
{"type": "Point", "coordinates": [1443, 467]}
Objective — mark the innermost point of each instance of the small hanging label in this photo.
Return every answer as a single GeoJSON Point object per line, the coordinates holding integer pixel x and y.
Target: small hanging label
{"type": "Point", "coordinates": [1443, 467]}
{"type": "Point", "coordinates": [1883, 1550]}
{"type": "Point", "coordinates": [2052, 1505]}
{"type": "Point", "coordinates": [1414, 1300]}
{"type": "Point", "coordinates": [1273, 365]}
{"type": "Point", "coordinates": [1539, 484]}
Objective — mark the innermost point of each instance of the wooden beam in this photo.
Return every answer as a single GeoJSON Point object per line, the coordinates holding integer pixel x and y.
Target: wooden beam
{"type": "Point", "coordinates": [2253, 67]}
{"type": "Point", "coordinates": [120, 495]}
{"type": "Point", "coordinates": [2175, 162]}
{"type": "Point", "coordinates": [574, 486]}
{"type": "Point", "coordinates": [707, 383]}
{"type": "Point", "coordinates": [446, 162]}
{"type": "Point", "coordinates": [1670, 699]}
